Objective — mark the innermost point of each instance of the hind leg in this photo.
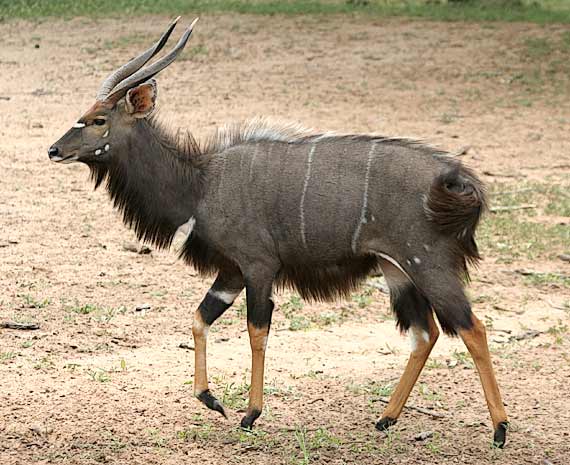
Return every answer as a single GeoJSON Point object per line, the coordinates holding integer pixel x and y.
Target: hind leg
{"type": "Point", "coordinates": [422, 342]}
{"type": "Point", "coordinates": [453, 310]}
{"type": "Point", "coordinates": [414, 314]}
{"type": "Point", "coordinates": [476, 341]}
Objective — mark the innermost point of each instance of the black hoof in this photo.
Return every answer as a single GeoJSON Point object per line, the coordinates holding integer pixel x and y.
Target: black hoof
{"type": "Point", "coordinates": [211, 402]}
{"type": "Point", "coordinates": [248, 420]}
{"type": "Point", "coordinates": [385, 423]}
{"type": "Point", "coordinates": [500, 436]}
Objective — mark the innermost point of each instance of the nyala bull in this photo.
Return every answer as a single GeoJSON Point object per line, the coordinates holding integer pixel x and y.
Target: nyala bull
{"type": "Point", "coordinates": [270, 205]}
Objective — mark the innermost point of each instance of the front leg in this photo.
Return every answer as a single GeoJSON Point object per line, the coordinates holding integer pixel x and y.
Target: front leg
{"type": "Point", "coordinates": [259, 311]}
{"type": "Point", "coordinates": [219, 298]}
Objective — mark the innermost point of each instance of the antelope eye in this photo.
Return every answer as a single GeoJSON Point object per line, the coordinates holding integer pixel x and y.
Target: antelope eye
{"type": "Point", "coordinates": [99, 121]}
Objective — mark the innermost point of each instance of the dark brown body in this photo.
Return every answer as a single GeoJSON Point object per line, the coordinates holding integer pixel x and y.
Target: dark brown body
{"type": "Point", "coordinates": [265, 205]}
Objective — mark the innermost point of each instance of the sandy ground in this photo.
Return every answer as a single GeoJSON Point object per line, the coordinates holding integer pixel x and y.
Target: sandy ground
{"type": "Point", "coordinates": [102, 383]}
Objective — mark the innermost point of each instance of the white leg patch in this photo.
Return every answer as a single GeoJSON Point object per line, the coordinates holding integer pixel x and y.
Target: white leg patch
{"type": "Point", "coordinates": [227, 297]}
{"type": "Point", "coordinates": [417, 335]}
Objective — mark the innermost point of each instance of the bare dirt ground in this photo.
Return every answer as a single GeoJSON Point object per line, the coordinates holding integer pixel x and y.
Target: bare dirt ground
{"type": "Point", "coordinates": [102, 383]}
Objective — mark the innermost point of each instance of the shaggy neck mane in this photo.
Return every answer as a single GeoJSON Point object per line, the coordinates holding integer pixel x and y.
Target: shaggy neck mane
{"type": "Point", "coordinates": [154, 179]}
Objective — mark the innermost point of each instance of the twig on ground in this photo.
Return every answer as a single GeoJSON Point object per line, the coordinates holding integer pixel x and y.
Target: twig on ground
{"type": "Point", "coordinates": [185, 345]}
{"type": "Point", "coordinates": [425, 411]}
{"type": "Point", "coordinates": [525, 272]}
{"type": "Point", "coordinates": [20, 326]}
{"type": "Point", "coordinates": [319, 399]}
{"type": "Point", "coordinates": [504, 175]}
{"type": "Point", "coordinates": [508, 208]}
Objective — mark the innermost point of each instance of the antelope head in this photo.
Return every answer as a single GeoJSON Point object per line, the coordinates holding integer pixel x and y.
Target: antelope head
{"type": "Point", "coordinates": [126, 96]}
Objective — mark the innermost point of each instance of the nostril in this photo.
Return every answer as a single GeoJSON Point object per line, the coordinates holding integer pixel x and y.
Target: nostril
{"type": "Point", "coordinates": [53, 151]}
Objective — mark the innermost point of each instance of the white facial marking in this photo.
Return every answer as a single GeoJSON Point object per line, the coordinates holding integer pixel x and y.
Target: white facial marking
{"type": "Point", "coordinates": [79, 125]}
{"type": "Point", "coordinates": [305, 185]}
{"type": "Point", "coordinates": [417, 261]}
{"type": "Point", "coordinates": [227, 297]}
{"type": "Point", "coordinates": [426, 247]}
{"type": "Point", "coordinates": [408, 262]}
{"type": "Point", "coordinates": [416, 335]}
{"type": "Point", "coordinates": [98, 152]}
{"type": "Point", "coordinates": [106, 133]}
{"type": "Point", "coordinates": [362, 221]}
{"type": "Point", "coordinates": [107, 147]}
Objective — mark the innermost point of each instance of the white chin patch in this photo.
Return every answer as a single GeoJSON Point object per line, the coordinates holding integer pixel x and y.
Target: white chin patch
{"type": "Point", "coordinates": [79, 125]}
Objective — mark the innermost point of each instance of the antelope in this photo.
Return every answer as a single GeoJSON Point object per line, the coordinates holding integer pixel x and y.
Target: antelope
{"type": "Point", "coordinates": [265, 205]}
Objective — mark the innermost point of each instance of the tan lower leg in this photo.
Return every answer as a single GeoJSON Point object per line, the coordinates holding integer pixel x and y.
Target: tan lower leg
{"type": "Point", "coordinates": [422, 343]}
{"type": "Point", "coordinates": [258, 342]}
{"type": "Point", "coordinates": [476, 341]}
{"type": "Point", "coordinates": [200, 333]}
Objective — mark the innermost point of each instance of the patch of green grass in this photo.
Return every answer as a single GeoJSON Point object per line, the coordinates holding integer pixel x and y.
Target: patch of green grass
{"type": "Point", "coordinates": [235, 396]}
{"type": "Point", "coordinates": [299, 323]}
{"type": "Point", "coordinates": [364, 298]}
{"type": "Point", "coordinates": [427, 393]}
{"type": "Point", "coordinates": [196, 433]}
{"type": "Point", "coordinates": [519, 233]}
{"type": "Point", "coordinates": [98, 313]}
{"type": "Point", "coordinates": [290, 309]}
{"type": "Point", "coordinates": [33, 302]}
{"type": "Point", "coordinates": [538, 11]}
{"type": "Point", "coordinates": [538, 47]}
{"type": "Point", "coordinates": [434, 444]}
{"type": "Point", "coordinates": [84, 309]}
{"type": "Point", "coordinates": [547, 279]}
{"type": "Point", "coordinates": [44, 363]}
{"type": "Point", "coordinates": [254, 439]}
{"type": "Point", "coordinates": [301, 438]}
{"type": "Point", "coordinates": [323, 438]}
{"type": "Point", "coordinates": [462, 358]}
{"type": "Point", "coordinates": [99, 375]}
{"type": "Point", "coordinates": [7, 356]}
{"type": "Point", "coordinates": [27, 344]}
{"type": "Point", "coordinates": [371, 388]}
{"type": "Point", "coordinates": [559, 332]}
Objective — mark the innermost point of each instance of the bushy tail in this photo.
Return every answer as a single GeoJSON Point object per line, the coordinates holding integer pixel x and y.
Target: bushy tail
{"type": "Point", "coordinates": [455, 203]}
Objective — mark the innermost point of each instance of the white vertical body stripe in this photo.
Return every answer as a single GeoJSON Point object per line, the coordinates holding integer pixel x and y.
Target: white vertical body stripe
{"type": "Point", "coordinates": [256, 148]}
{"type": "Point", "coordinates": [362, 219]}
{"type": "Point", "coordinates": [305, 185]}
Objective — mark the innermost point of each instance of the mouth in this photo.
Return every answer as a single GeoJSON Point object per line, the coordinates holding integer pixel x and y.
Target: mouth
{"type": "Point", "coordinates": [65, 160]}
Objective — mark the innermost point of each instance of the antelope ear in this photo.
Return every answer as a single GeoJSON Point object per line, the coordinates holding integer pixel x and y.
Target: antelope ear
{"type": "Point", "coordinates": [140, 100]}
